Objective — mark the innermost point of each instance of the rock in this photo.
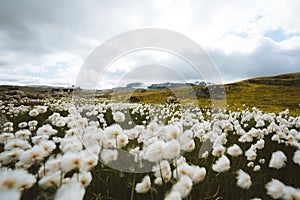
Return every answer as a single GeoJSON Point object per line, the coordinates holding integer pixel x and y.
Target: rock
{"type": "Point", "coordinates": [134, 99]}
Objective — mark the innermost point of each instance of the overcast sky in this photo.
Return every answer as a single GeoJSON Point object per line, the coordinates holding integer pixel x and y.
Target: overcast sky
{"type": "Point", "coordinates": [47, 42]}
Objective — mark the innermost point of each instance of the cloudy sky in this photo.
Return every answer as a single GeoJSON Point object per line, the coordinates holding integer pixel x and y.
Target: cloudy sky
{"type": "Point", "coordinates": [47, 42]}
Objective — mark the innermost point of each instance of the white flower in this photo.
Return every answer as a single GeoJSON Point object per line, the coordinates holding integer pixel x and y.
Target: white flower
{"type": "Point", "coordinates": [260, 144]}
{"type": "Point", "coordinates": [262, 161]}
{"type": "Point", "coordinates": [17, 143]}
{"type": "Point", "coordinates": [22, 125]}
{"type": "Point", "coordinates": [122, 140]}
{"type": "Point", "coordinates": [37, 139]}
{"type": "Point", "coordinates": [46, 130]}
{"type": "Point", "coordinates": [275, 189]}
{"type": "Point", "coordinates": [18, 179]}
{"type": "Point", "coordinates": [243, 179]}
{"type": "Point", "coordinates": [296, 157]}
{"type": "Point", "coordinates": [23, 134]}
{"type": "Point", "coordinates": [90, 158]}
{"type": "Point", "coordinates": [251, 153]}
{"type": "Point", "coordinates": [173, 131]}
{"type": "Point", "coordinates": [4, 137]}
{"type": "Point", "coordinates": [222, 164]}
{"type": "Point", "coordinates": [198, 174]}
{"type": "Point", "coordinates": [218, 150]}
{"type": "Point", "coordinates": [70, 161]}
{"type": "Point", "coordinates": [183, 169]}
{"type": "Point", "coordinates": [113, 131]}
{"type": "Point", "coordinates": [33, 123]}
{"type": "Point", "coordinates": [187, 145]}
{"type": "Point", "coordinates": [50, 180]}
{"type": "Point", "coordinates": [163, 170]}
{"type": "Point", "coordinates": [47, 145]}
{"type": "Point", "coordinates": [171, 149]}
{"type": "Point", "coordinates": [173, 195]}
{"type": "Point", "coordinates": [84, 178]}
{"type": "Point", "coordinates": [34, 113]}
{"type": "Point", "coordinates": [291, 193]}
{"type": "Point", "coordinates": [72, 143]}
{"type": "Point", "coordinates": [278, 160]}
{"type": "Point", "coordinates": [119, 116]}
{"type": "Point", "coordinates": [60, 123]}
{"type": "Point", "coordinates": [250, 164]}
{"type": "Point", "coordinates": [205, 154]}
{"type": "Point", "coordinates": [11, 155]}
{"type": "Point", "coordinates": [108, 155]}
{"type": "Point", "coordinates": [144, 186]}
{"type": "Point", "coordinates": [234, 150]}
{"type": "Point", "coordinates": [12, 194]}
{"type": "Point", "coordinates": [70, 191]}
{"type": "Point", "coordinates": [41, 109]}
{"type": "Point", "coordinates": [183, 186]}
{"type": "Point", "coordinates": [109, 143]}
{"type": "Point", "coordinates": [154, 152]}
{"type": "Point", "coordinates": [256, 168]}
{"type": "Point", "coordinates": [35, 154]}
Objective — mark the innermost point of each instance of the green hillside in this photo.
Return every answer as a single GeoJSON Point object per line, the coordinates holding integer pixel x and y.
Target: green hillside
{"type": "Point", "coordinates": [272, 94]}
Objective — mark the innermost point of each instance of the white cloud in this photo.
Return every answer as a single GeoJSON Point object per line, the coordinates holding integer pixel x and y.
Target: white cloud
{"type": "Point", "coordinates": [57, 36]}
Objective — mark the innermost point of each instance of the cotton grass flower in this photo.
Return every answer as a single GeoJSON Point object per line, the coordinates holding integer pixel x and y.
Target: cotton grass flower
{"type": "Point", "coordinates": [37, 139]}
{"type": "Point", "coordinates": [48, 146]}
{"type": "Point", "coordinates": [108, 155]}
{"type": "Point", "coordinates": [17, 143]}
{"type": "Point", "coordinates": [218, 150]}
{"type": "Point", "coordinates": [33, 113]}
{"type": "Point", "coordinates": [70, 161]}
{"type": "Point", "coordinates": [243, 179]}
{"type": "Point", "coordinates": [183, 186]}
{"type": "Point", "coordinates": [18, 179]}
{"type": "Point", "coordinates": [119, 116]}
{"type": "Point", "coordinates": [113, 131]}
{"type": "Point", "coordinates": [33, 123]}
{"type": "Point", "coordinates": [275, 189]}
{"type": "Point", "coordinates": [291, 193]}
{"type": "Point", "coordinates": [171, 149]}
{"type": "Point", "coordinates": [234, 150]}
{"type": "Point", "coordinates": [122, 140]}
{"type": "Point", "coordinates": [222, 164]}
{"type": "Point", "coordinates": [34, 155]}
{"type": "Point", "coordinates": [12, 194]}
{"type": "Point", "coordinates": [23, 134]}
{"type": "Point", "coordinates": [155, 151]}
{"type": "Point", "coordinates": [84, 178]}
{"type": "Point", "coordinates": [22, 125]}
{"type": "Point", "coordinates": [144, 186]}
{"type": "Point", "coordinates": [46, 130]}
{"type": "Point", "coordinates": [198, 174]}
{"type": "Point", "coordinates": [256, 168]}
{"type": "Point", "coordinates": [173, 195]}
{"type": "Point", "coordinates": [251, 153]}
{"type": "Point", "coordinates": [4, 137]}
{"type": "Point", "coordinates": [52, 180]}
{"type": "Point", "coordinates": [42, 109]}
{"type": "Point", "coordinates": [70, 191]}
{"type": "Point", "coordinates": [278, 160]}
{"type": "Point", "coordinates": [296, 157]}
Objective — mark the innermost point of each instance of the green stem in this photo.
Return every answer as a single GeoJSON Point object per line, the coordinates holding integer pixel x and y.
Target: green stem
{"type": "Point", "coordinates": [61, 178]}
{"type": "Point", "coordinates": [132, 187]}
{"type": "Point", "coordinates": [161, 175]}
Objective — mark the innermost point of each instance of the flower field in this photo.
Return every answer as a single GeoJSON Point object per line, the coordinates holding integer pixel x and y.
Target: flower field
{"type": "Point", "coordinates": [52, 149]}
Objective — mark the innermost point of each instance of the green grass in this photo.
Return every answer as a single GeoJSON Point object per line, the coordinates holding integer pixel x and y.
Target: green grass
{"type": "Point", "coordinates": [266, 97]}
